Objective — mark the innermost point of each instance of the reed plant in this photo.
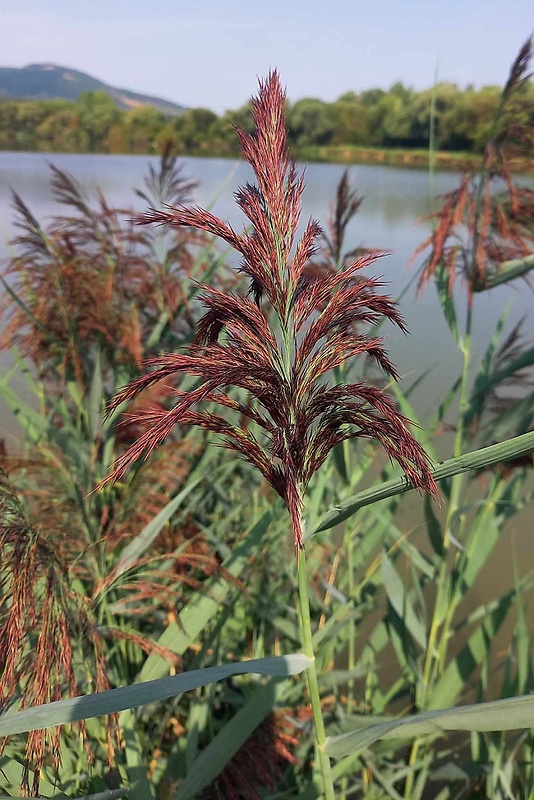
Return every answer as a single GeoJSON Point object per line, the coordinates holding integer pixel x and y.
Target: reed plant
{"type": "Point", "coordinates": [282, 362]}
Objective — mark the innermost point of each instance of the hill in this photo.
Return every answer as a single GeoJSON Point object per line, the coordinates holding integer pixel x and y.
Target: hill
{"type": "Point", "coordinates": [52, 82]}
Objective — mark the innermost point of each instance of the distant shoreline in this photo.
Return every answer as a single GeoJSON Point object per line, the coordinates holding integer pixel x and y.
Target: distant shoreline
{"type": "Point", "coordinates": [397, 157]}
{"type": "Point", "coordinates": [334, 154]}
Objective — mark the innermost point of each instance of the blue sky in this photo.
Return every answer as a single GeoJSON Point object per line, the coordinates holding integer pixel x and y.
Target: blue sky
{"type": "Point", "coordinates": [210, 52]}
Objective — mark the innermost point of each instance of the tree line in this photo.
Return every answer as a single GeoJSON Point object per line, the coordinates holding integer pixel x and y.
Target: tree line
{"type": "Point", "coordinates": [397, 118]}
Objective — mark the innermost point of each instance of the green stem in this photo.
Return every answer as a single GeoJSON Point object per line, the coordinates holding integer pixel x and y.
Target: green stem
{"type": "Point", "coordinates": [457, 482]}
{"type": "Point", "coordinates": [352, 627]}
{"type": "Point", "coordinates": [351, 644]}
{"type": "Point", "coordinates": [444, 608]}
{"type": "Point", "coordinates": [459, 441]}
{"type": "Point", "coordinates": [311, 673]}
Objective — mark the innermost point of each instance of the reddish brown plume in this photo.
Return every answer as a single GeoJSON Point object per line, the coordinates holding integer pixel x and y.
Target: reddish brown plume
{"type": "Point", "coordinates": [488, 219]}
{"type": "Point", "coordinates": [279, 362]}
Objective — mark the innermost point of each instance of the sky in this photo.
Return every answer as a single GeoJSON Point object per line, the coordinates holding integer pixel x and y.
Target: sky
{"type": "Point", "coordinates": [210, 53]}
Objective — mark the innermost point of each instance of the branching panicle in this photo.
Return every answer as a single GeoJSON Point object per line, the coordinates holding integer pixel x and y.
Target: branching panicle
{"type": "Point", "coordinates": [90, 282]}
{"type": "Point", "coordinates": [489, 219]}
{"type": "Point", "coordinates": [167, 184]}
{"type": "Point", "coordinates": [280, 359]}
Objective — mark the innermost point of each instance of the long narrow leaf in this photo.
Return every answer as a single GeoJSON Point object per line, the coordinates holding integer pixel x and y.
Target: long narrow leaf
{"type": "Point", "coordinates": [500, 715]}
{"type": "Point", "coordinates": [198, 612]}
{"type": "Point", "coordinates": [508, 271]}
{"type": "Point", "coordinates": [12, 772]}
{"type": "Point", "coordinates": [144, 539]}
{"type": "Point", "coordinates": [33, 319]}
{"type": "Point", "coordinates": [495, 454]}
{"type": "Point", "coordinates": [401, 602]}
{"type": "Point", "coordinates": [446, 300]}
{"type": "Point", "coordinates": [451, 683]}
{"type": "Point", "coordinates": [63, 712]}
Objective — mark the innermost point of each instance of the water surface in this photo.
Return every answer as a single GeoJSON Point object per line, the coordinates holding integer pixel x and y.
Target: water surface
{"type": "Point", "coordinates": [390, 219]}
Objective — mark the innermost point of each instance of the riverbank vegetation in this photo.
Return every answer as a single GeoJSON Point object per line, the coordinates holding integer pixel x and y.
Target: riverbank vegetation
{"type": "Point", "coordinates": [374, 126]}
{"type": "Point", "coordinates": [255, 620]}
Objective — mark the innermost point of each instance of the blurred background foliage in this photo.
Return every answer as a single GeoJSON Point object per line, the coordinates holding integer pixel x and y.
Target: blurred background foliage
{"type": "Point", "coordinates": [396, 118]}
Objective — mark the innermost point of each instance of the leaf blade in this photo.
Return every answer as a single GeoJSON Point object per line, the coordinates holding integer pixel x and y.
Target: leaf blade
{"type": "Point", "coordinates": [62, 712]}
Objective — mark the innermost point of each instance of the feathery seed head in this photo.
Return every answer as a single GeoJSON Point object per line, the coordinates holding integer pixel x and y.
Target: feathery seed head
{"type": "Point", "coordinates": [280, 359]}
{"type": "Point", "coordinates": [488, 219]}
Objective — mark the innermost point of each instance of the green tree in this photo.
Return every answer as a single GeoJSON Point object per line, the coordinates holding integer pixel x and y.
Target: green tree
{"type": "Point", "coordinates": [399, 117]}
{"type": "Point", "coordinates": [310, 122]}
{"type": "Point", "coordinates": [194, 128]}
{"type": "Point", "coordinates": [142, 128]}
{"type": "Point", "coordinates": [396, 115]}
{"type": "Point", "coordinates": [61, 131]}
{"type": "Point", "coordinates": [223, 129]}
{"type": "Point", "coordinates": [96, 112]}
{"type": "Point", "coordinates": [465, 125]}
{"type": "Point", "coordinates": [350, 121]}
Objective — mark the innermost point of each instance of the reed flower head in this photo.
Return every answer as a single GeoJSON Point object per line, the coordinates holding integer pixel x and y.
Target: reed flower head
{"type": "Point", "coordinates": [280, 352]}
{"type": "Point", "coordinates": [89, 283]}
{"type": "Point", "coordinates": [489, 219]}
{"type": "Point", "coordinates": [344, 208]}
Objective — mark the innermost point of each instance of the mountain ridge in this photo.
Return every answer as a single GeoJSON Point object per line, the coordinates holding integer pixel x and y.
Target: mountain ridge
{"type": "Point", "coordinates": [47, 81]}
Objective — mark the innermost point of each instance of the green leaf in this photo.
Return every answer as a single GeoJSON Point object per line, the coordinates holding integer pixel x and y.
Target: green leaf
{"type": "Point", "coordinates": [32, 421]}
{"type": "Point", "coordinates": [12, 772]}
{"type": "Point", "coordinates": [32, 318]}
{"type": "Point", "coordinates": [500, 715]}
{"type": "Point", "coordinates": [340, 677]}
{"type": "Point", "coordinates": [523, 639]}
{"type": "Point", "coordinates": [338, 456]}
{"type": "Point", "coordinates": [482, 536]}
{"type": "Point", "coordinates": [286, 626]}
{"type": "Point", "coordinates": [63, 712]}
{"type": "Point", "coordinates": [343, 615]}
{"type": "Point", "coordinates": [451, 683]}
{"type": "Point", "coordinates": [414, 556]}
{"type": "Point", "coordinates": [157, 331]}
{"type": "Point", "coordinates": [433, 528]}
{"type": "Point", "coordinates": [141, 788]}
{"type": "Point", "coordinates": [514, 420]}
{"type": "Point", "coordinates": [502, 452]}
{"type": "Point", "coordinates": [417, 429]}
{"type": "Point", "coordinates": [319, 488]}
{"type": "Point", "coordinates": [96, 393]}
{"type": "Point", "coordinates": [401, 602]}
{"type": "Point", "coordinates": [523, 361]}
{"type": "Point", "coordinates": [455, 771]}
{"type": "Point", "coordinates": [444, 406]}
{"type": "Point", "coordinates": [446, 300]}
{"type": "Point", "coordinates": [197, 722]}
{"type": "Point", "coordinates": [480, 389]}
{"type": "Point", "coordinates": [109, 794]}
{"type": "Point", "coordinates": [508, 271]}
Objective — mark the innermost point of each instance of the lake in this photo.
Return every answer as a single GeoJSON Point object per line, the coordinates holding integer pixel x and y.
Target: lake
{"type": "Point", "coordinates": [395, 200]}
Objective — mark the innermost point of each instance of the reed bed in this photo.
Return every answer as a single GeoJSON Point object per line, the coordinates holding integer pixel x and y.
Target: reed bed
{"type": "Point", "coordinates": [180, 620]}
